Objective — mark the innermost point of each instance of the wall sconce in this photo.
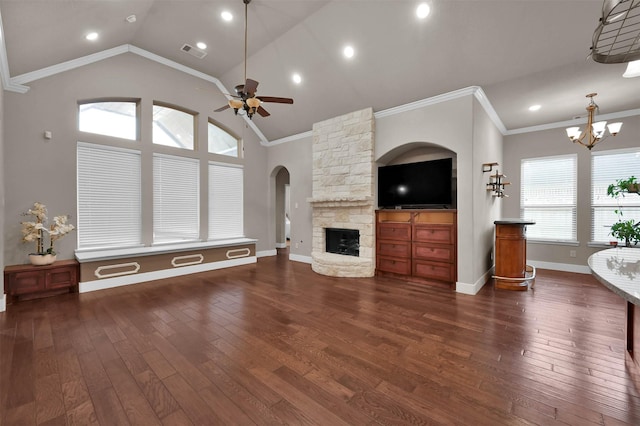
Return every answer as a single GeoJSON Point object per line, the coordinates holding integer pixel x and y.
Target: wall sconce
{"type": "Point", "coordinates": [496, 181]}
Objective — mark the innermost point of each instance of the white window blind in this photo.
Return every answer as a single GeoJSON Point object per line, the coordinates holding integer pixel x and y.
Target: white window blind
{"type": "Point", "coordinates": [548, 196]}
{"type": "Point", "coordinates": [606, 168]}
{"type": "Point", "coordinates": [176, 195]}
{"type": "Point", "coordinates": [108, 183]}
{"type": "Point", "coordinates": [225, 201]}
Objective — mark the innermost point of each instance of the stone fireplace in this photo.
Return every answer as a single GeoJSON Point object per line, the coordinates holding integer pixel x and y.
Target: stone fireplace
{"type": "Point", "coordinates": [343, 192]}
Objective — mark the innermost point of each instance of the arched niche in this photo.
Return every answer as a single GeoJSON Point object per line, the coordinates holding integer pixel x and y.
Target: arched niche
{"type": "Point", "coordinates": [414, 152]}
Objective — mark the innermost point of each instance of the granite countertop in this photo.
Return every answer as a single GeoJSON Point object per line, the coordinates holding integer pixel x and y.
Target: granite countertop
{"type": "Point", "coordinates": [619, 270]}
{"type": "Point", "coordinates": [514, 221]}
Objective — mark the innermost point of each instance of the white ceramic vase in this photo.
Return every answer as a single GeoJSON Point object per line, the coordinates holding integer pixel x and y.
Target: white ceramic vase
{"type": "Point", "coordinates": [42, 259]}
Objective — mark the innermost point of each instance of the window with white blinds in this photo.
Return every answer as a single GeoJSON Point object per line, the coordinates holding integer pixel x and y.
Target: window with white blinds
{"type": "Point", "coordinates": [225, 201]}
{"type": "Point", "coordinates": [176, 195]}
{"type": "Point", "coordinates": [548, 189]}
{"type": "Point", "coordinates": [109, 211]}
{"type": "Point", "coordinates": [606, 168]}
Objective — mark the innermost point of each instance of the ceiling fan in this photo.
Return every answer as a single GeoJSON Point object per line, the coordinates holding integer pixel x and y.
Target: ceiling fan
{"type": "Point", "coordinates": [245, 98]}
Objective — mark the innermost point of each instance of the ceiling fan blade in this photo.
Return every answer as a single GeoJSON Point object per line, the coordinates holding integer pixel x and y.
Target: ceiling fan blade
{"type": "Point", "coordinates": [222, 108]}
{"type": "Point", "coordinates": [250, 87]}
{"type": "Point", "coordinates": [263, 112]}
{"type": "Point", "coordinates": [275, 99]}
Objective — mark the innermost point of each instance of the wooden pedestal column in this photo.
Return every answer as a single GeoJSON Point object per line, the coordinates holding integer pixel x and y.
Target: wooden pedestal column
{"type": "Point", "coordinates": [511, 254]}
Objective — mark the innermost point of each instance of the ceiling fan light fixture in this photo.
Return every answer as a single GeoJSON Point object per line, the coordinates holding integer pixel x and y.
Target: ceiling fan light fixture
{"type": "Point", "coordinates": [245, 101]}
{"type": "Point", "coordinates": [235, 103]}
{"type": "Point", "coordinates": [253, 102]}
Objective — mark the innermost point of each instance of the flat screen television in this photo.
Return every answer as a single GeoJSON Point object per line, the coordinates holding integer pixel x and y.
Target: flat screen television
{"type": "Point", "coordinates": [426, 184]}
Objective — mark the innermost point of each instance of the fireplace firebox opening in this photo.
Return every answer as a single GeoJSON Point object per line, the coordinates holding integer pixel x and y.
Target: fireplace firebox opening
{"type": "Point", "coordinates": [343, 241]}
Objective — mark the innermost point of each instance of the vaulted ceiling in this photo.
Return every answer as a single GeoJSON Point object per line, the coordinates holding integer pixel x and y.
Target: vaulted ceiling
{"type": "Point", "coordinates": [521, 52]}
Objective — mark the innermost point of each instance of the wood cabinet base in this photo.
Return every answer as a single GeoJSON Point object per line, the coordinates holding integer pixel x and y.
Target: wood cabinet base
{"type": "Point", "coordinates": [24, 282]}
{"type": "Point", "coordinates": [417, 245]}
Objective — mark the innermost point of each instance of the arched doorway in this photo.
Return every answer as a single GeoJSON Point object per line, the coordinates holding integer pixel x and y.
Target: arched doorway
{"type": "Point", "coordinates": [282, 210]}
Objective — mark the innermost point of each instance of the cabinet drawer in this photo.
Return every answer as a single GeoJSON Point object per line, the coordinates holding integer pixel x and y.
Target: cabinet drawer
{"type": "Point", "coordinates": [394, 231]}
{"type": "Point", "coordinates": [394, 265]}
{"type": "Point", "coordinates": [434, 252]}
{"type": "Point", "coordinates": [26, 282]}
{"type": "Point", "coordinates": [393, 248]}
{"type": "Point", "coordinates": [433, 234]}
{"type": "Point", "coordinates": [434, 270]}
{"type": "Point", "coordinates": [61, 278]}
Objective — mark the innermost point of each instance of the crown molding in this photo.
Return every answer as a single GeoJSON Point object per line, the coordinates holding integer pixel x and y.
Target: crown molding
{"type": "Point", "coordinates": [574, 122]}
{"type": "Point", "coordinates": [476, 91]}
{"type": "Point", "coordinates": [292, 138]}
{"type": "Point", "coordinates": [69, 65]}
{"type": "Point", "coordinates": [456, 94]}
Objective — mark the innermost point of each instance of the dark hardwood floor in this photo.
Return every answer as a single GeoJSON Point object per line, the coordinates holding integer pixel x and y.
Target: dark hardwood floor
{"type": "Point", "coordinates": [275, 343]}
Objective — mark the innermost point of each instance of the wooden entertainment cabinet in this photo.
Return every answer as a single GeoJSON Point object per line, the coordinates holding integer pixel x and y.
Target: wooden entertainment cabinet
{"type": "Point", "coordinates": [419, 245]}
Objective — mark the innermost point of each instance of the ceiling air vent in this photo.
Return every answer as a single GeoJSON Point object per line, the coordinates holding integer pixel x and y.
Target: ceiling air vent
{"type": "Point", "coordinates": [193, 51]}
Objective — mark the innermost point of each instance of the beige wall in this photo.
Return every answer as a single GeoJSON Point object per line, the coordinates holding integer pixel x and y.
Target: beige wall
{"type": "Point", "coordinates": [555, 142]}
{"type": "Point", "coordinates": [462, 126]}
{"type": "Point", "coordinates": [295, 156]}
{"type": "Point", "coordinates": [45, 170]}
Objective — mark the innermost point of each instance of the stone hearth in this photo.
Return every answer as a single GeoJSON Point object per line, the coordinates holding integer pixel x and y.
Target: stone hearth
{"type": "Point", "coordinates": [342, 191]}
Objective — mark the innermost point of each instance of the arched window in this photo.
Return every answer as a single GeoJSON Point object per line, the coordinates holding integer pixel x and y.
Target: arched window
{"type": "Point", "coordinates": [117, 118]}
{"type": "Point", "coordinates": [173, 127]}
{"type": "Point", "coordinates": [222, 142]}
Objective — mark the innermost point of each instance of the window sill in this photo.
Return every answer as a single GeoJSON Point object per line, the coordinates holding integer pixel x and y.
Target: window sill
{"type": "Point", "coordinates": [555, 243]}
{"type": "Point", "coordinates": [92, 256]}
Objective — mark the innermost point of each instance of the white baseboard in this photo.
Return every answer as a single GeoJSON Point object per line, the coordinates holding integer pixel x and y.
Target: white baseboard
{"type": "Point", "coordinates": [88, 286]}
{"type": "Point", "coordinates": [300, 258]}
{"type": "Point", "coordinates": [473, 289]}
{"type": "Point", "coordinates": [3, 303]}
{"type": "Point", "coordinates": [565, 267]}
{"type": "Point", "coordinates": [281, 245]}
{"type": "Point", "coordinates": [266, 253]}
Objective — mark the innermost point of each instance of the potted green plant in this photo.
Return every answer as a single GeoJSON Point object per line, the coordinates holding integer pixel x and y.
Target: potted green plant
{"type": "Point", "coordinates": [627, 230]}
{"type": "Point", "coordinates": [622, 186]}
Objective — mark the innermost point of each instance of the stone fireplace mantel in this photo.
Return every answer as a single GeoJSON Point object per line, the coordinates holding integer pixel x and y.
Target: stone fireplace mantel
{"type": "Point", "coordinates": [341, 202]}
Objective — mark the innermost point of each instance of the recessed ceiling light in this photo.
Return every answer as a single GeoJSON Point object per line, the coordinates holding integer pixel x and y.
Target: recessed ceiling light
{"type": "Point", "coordinates": [227, 16]}
{"type": "Point", "coordinates": [131, 19]}
{"type": "Point", "coordinates": [423, 10]}
{"type": "Point", "coordinates": [297, 78]}
{"type": "Point", "coordinates": [92, 36]}
{"type": "Point", "coordinates": [201, 45]}
{"type": "Point", "coordinates": [534, 107]}
{"type": "Point", "coordinates": [633, 69]}
{"type": "Point", "coordinates": [348, 52]}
